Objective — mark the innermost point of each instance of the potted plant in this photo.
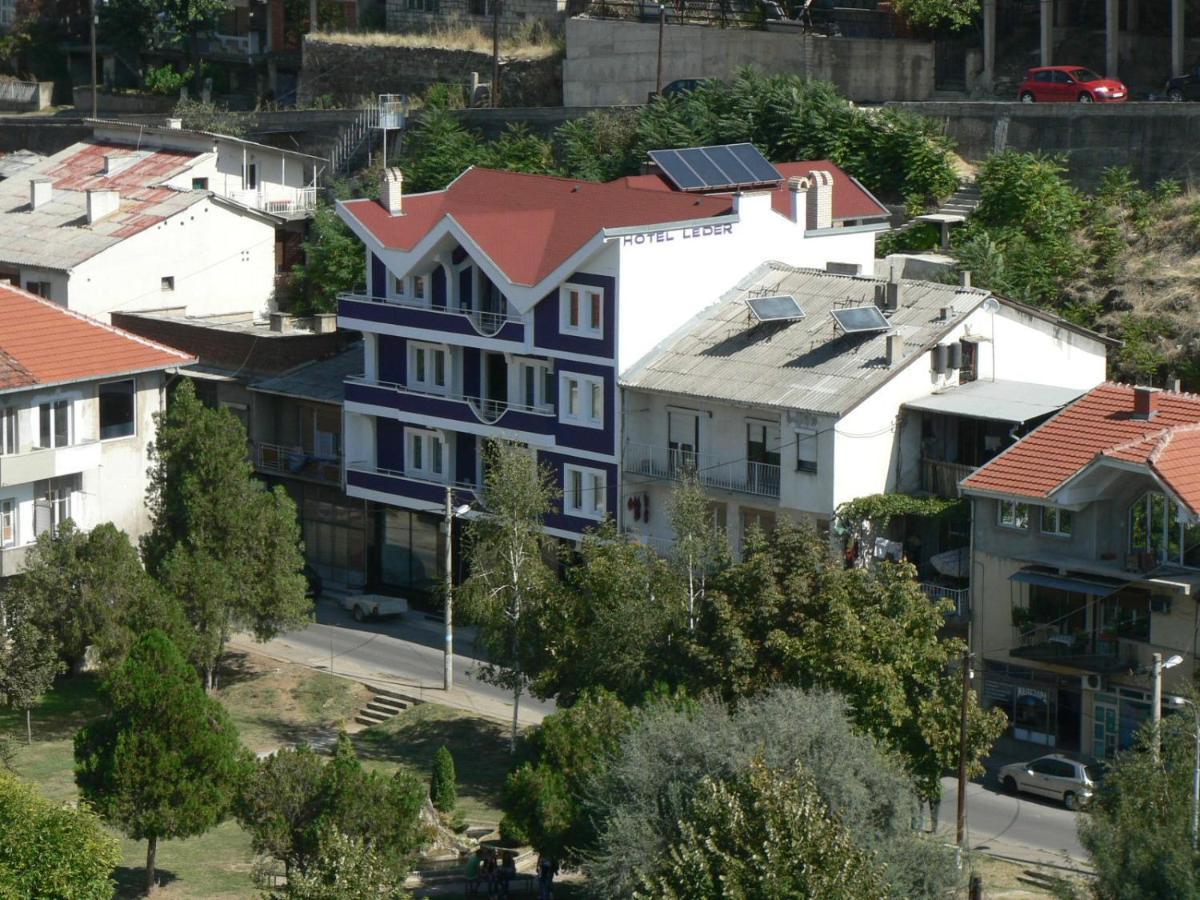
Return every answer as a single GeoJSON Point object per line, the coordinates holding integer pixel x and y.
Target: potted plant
{"type": "Point", "coordinates": [1022, 618]}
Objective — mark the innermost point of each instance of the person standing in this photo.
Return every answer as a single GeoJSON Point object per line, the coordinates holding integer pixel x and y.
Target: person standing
{"type": "Point", "coordinates": [546, 870]}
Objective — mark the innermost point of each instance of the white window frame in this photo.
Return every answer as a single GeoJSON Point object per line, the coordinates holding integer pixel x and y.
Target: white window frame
{"type": "Point", "coordinates": [1052, 521]}
{"type": "Point", "coordinates": [428, 384]}
{"type": "Point", "coordinates": [590, 393]}
{"type": "Point", "coordinates": [9, 521]}
{"type": "Point", "coordinates": [432, 465]}
{"type": "Point", "coordinates": [100, 424]}
{"type": "Point", "coordinates": [70, 414]}
{"type": "Point", "coordinates": [1007, 514]}
{"type": "Point", "coordinates": [422, 295]}
{"type": "Point", "coordinates": [589, 299]}
{"type": "Point", "coordinates": [10, 431]}
{"type": "Point", "coordinates": [806, 439]}
{"type": "Point", "coordinates": [542, 372]}
{"type": "Point", "coordinates": [584, 492]}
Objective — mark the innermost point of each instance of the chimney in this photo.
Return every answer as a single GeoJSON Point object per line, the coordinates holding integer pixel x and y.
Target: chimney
{"type": "Point", "coordinates": [40, 192]}
{"type": "Point", "coordinates": [798, 188]}
{"type": "Point", "coordinates": [282, 323]}
{"type": "Point", "coordinates": [895, 350]}
{"type": "Point", "coordinates": [101, 204]}
{"type": "Point", "coordinates": [820, 200]}
{"type": "Point", "coordinates": [390, 194]}
{"type": "Point", "coordinates": [175, 124]}
{"type": "Point", "coordinates": [965, 278]}
{"type": "Point", "coordinates": [947, 313]}
{"type": "Point", "coordinates": [892, 291]}
{"type": "Point", "coordinates": [1145, 401]}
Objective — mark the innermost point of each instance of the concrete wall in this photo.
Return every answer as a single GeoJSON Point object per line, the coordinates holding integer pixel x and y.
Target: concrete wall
{"type": "Point", "coordinates": [121, 104]}
{"type": "Point", "coordinates": [1155, 140]}
{"type": "Point", "coordinates": [347, 72]}
{"type": "Point", "coordinates": [613, 62]}
{"type": "Point", "coordinates": [26, 96]}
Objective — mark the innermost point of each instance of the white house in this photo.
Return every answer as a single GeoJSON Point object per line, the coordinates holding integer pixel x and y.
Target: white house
{"type": "Point", "coordinates": [801, 389]}
{"type": "Point", "coordinates": [77, 400]}
{"type": "Point", "coordinates": [142, 217]}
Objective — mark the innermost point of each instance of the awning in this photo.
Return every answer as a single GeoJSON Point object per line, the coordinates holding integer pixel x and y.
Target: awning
{"type": "Point", "coordinates": [1097, 587]}
{"type": "Point", "coordinates": [1003, 401]}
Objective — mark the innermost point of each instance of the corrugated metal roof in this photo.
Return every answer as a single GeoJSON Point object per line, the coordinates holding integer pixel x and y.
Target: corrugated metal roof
{"type": "Point", "coordinates": [1002, 401]}
{"type": "Point", "coordinates": [320, 381]}
{"type": "Point", "coordinates": [806, 365]}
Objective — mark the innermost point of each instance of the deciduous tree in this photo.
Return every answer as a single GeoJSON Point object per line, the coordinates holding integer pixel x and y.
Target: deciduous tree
{"type": "Point", "coordinates": [347, 868]}
{"type": "Point", "coordinates": [28, 657]}
{"type": "Point", "coordinates": [165, 761]}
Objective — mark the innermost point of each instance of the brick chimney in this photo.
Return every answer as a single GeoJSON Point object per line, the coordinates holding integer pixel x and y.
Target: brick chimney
{"type": "Point", "coordinates": [41, 190]}
{"type": "Point", "coordinates": [101, 204]}
{"type": "Point", "coordinates": [798, 189]}
{"type": "Point", "coordinates": [1145, 401]}
{"type": "Point", "coordinates": [820, 201]}
{"type": "Point", "coordinates": [391, 191]}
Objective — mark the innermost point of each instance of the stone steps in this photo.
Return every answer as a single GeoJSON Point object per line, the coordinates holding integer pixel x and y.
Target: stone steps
{"type": "Point", "coordinates": [384, 705]}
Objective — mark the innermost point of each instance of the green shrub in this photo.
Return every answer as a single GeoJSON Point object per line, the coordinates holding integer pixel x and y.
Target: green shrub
{"type": "Point", "coordinates": [165, 80]}
{"type": "Point", "coordinates": [443, 790]}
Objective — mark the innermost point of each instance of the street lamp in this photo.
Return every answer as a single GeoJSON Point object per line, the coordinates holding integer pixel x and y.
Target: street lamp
{"type": "Point", "coordinates": [451, 514]}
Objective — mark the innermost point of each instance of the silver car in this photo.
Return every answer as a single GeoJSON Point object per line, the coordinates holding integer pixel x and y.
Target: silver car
{"type": "Point", "coordinates": [1053, 776]}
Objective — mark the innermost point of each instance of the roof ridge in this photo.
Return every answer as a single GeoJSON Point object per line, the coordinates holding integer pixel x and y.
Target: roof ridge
{"type": "Point", "coordinates": [9, 360]}
{"type": "Point", "coordinates": [1143, 438]}
{"type": "Point", "coordinates": [1168, 435]}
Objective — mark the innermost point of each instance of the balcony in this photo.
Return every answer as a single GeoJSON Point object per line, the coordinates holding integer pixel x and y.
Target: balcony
{"type": "Point", "coordinates": [941, 478]}
{"type": "Point", "coordinates": [960, 597]}
{"type": "Point", "coordinates": [417, 315]}
{"type": "Point", "coordinates": [452, 407]}
{"type": "Point", "coordinates": [39, 464]}
{"type": "Point", "coordinates": [295, 462]}
{"type": "Point", "coordinates": [287, 203]}
{"type": "Point", "coordinates": [422, 493]}
{"type": "Point", "coordinates": [1087, 653]}
{"type": "Point", "coordinates": [12, 560]}
{"type": "Point", "coordinates": [738, 476]}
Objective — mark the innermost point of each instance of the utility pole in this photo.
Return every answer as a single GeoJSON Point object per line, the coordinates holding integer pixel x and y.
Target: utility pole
{"type": "Point", "coordinates": [448, 663]}
{"type": "Point", "coordinates": [92, 28]}
{"type": "Point", "coordinates": [962, 750]}
{"type": "Point", "coordinates": [495, 91]}
{"type": "Point", "coordinates": [662, 22]}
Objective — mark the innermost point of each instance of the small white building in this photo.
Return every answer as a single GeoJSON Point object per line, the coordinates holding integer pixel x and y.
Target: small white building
{"type": "Point", "coordinates": [801, 389]}
{"type": "Point", "coordinates": [77, 400]}
{"type": "Point", "coordinates": [143, 217]}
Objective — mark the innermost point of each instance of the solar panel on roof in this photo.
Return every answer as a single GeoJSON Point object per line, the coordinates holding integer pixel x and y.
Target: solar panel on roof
{"type": "Point", "coordinates": [720, 168]}
{"type": "Point", "coordinates": [860, 319]}
{"type": "Point", "coordinates": [775, 309]}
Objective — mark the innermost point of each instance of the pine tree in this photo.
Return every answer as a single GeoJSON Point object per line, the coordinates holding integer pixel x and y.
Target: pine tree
{"type": "Point", "coordinates": [166, 761]}
{"type": "Point", "coordinates": [442, 788]}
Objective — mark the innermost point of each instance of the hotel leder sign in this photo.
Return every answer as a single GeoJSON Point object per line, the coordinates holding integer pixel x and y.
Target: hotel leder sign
{"type": "Point", "coordinates": [696, 232]}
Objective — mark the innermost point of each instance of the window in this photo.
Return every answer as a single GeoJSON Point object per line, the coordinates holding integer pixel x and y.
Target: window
{"type": "Point", "coordinates": [581, 311]}
{"type": "Point", "coordinates": [1155, 528]}
{"type": "Point", "coordinates": [8, 523]}
{"type": "Point", "coordinates": [41, 288]}
{"type": "Point", "coordinates": [423, 5]}
{"type": "Point", "coordinates": [425, 455]}
{"type": "Point", "coordinates": [168, 282]}
{"type": "Point", "coordinates": [54, 424]}
{"type": "Point", "coordinates": [8, 431]}
{"type": "Point", "coordinates": [583, 492]}
{"type": "Point", "coordinates": [581, 400]}
{"type": "Point", "coordinates": [1057, 521]}
{"type": "Point", "coordinates": [52, 503]}
{"type": "Point", "coordinates": [806, 451]}
{"type": "Point", "coordinates": [418, 287]}
{"type": "Point", "coordinates": [481, 7]}
{"type": "Point", "coordinates": [398, 285]}
{"type": "Point", "coordinates": [251, 177]}
{"type": "Point", "coordinates": [1013, 514]}
{"type": "Point", "coordinates": [117, 409]}
{"type": "Point", "coordinates": [1126, 614]}
{"type": "Point", "coordinates": [427, 368]}
{"type": "Point", "coordinates": [536, 384]}
{"type": "Point", "coordinates": [199, 184]}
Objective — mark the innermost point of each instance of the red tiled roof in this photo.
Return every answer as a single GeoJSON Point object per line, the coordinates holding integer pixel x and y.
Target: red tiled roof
{"type": "Point", "coordinates": [530, 224]}
{"type": "Point", "coordinates": [42, 343]}
{"type": "Point", "coordinates": [1101, 423]}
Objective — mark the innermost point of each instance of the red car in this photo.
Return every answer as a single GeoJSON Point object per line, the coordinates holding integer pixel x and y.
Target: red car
{"type": "Point", "coordinates": [1070, 84]}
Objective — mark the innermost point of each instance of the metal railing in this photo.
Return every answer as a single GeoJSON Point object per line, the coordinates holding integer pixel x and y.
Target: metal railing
{"type": "Point", "coordinates": [941, 478]}
{"type": "Point", "coordinates": [487, 409]}
{"type": "Point", "coordinates": [961, 597]}
{"type": "Point", "coordinates": [486, 322]}
{"type": "Point", "coordinates": [285, 202]}
{"type": "Point", "coordinates": [366, 467]}
{"type": "Point", "coordinates": [740, 476]}
{"type": "Point", "coordinates": [351, 138]}
{"type": "Point", "coordinates": [297, 462]}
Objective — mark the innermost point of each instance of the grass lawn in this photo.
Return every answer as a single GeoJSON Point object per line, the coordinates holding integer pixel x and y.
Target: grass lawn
{"type": "Point", "coordinates": [273, 704]}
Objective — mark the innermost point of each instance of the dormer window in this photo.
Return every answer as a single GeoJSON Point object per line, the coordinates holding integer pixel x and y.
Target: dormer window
{"type": "Point", "coordinates": [581, 311]}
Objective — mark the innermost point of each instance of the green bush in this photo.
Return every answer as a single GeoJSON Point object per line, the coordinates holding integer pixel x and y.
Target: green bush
{"type": "Point", "coordinates": [165, 80]}
{"type": "Point", "coordinates": [443, 790]}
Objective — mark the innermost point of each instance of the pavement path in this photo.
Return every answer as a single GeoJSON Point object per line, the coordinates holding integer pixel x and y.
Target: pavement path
{"type": "Point", "coordinates": [404, 653]}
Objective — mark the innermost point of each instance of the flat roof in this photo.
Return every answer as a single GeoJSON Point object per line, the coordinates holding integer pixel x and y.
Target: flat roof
{"type": "Point", "coordinates": [1001, 401]}
{"type": "Point", "coordinates": [320, 380]}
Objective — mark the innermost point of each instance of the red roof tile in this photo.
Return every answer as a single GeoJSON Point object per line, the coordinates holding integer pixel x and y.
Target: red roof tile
{"type": "Point", "coordinates": [1099, 424]}
{"type": "Point", "coordinates": [530, 224]}
{"type": "Point", "coordinates": [42, 343]}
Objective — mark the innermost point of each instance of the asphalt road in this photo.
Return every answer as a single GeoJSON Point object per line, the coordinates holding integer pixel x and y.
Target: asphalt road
{"type": "Point", "coordinates": [1024, 827]}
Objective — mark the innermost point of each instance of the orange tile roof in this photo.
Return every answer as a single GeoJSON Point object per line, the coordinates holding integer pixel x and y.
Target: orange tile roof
{"type": "Point", "coordinates": [41, 343]}
{"type": "Point", "coordinates": [1101, 424]}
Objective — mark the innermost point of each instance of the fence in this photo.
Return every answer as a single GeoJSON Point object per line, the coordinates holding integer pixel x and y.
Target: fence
{"type": "Point", "coordinates": [722, 13]}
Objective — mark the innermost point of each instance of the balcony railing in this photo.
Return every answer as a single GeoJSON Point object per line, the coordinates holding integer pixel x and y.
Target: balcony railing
{"type": "Point", "coordinates": [40, 463]}
{"type": "Point", "coordinates": [296, 462]}
{"type": "Point", "coordinates": [488, 410]}
{"type": "Point", "coordinates": [486, 322]}
{"type": "Point", "coordinates": [288, 203]}
{"type": "Point", "coordinates": [1087, 653]}
{"type": "Point", "coordinates": [366, 475]}
{"type": "Point", "coordinates": [941, 478]}
{"type": "Point", "coordinates": [739, 476]}
{"type": "Point", "coordinates": [960, 597]}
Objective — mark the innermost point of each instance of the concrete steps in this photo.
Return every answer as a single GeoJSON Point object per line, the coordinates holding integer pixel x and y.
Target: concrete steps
{"type": "Point", "coordinates": [963, 202]}
{"type": "Point", "coordinates": [386, 704]}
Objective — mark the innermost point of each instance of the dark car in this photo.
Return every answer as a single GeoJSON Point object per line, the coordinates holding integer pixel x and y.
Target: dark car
{"type": "Point", "coordinates": [1184, 87]}
{"type": "Point", "coordinates": [681, 86]}
{"type": "Point", "coordinates": [1070, 84]}
{"type": "Point", "coordinates": [315, 585]}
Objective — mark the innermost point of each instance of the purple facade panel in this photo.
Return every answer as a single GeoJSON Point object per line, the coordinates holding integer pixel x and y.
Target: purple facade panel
{"type": "Point", "coordinates": [546, 320]}
{"type": "Point", "coordinates": [437, 281]}
{"type": "Point", "coordinates": [579, 524]}
{"type": "Point", "coordinates": [389, 444]}
{"type": "Point", "coordinates": [393, 358]}
{"type": "Point", "coordinates": [465, 452]}
{"type": "Point", "coordinates": [379, 277]}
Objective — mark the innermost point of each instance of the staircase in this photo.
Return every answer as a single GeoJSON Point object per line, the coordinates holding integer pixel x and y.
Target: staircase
{"type": "Point", "coordinates": [352, 141]}
{"type": "Point", "coordinates": [963, 202]}
{"type": "Point", "coordinates": [383, 706]}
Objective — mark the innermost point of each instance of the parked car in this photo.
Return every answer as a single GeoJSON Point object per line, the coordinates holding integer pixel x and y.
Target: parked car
{"type": "Point", "coordinates": [1054, 776]}
{"type": "Point", "coordinates": [374, 606]}
{"type": "Point", "coordinates": [1183, 87]}
{"type": "Point", "coordinates": [1070, 84]}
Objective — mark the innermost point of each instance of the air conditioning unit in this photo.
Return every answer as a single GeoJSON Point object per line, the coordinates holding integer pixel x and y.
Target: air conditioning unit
{"type": "Point", "coordinates": [1160, 603]}
{"type": "Point", "coordinates": [1092, 682]}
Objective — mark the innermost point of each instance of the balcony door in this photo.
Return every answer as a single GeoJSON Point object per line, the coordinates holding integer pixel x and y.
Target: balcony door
{"type": "Point", "coordinates": [683, 439]}
{"type": "Point", "coordinates": [762, 457]}
{"type": "Point", "coordinates": [495, 383]}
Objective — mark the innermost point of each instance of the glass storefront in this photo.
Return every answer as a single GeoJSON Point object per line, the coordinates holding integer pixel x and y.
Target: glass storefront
{"type": "Point", "coordinates": [410, 549]}
{"type": "Point", "coordinates": [335, 532]}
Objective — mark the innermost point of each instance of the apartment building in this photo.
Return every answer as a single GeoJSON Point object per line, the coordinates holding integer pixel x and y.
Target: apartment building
{"type": "Point", "coordinates": [507, 304]}
{"type": "Point", "coordinates": [1086, 562]}
{"type": "Point", "coordinates": [77, 400]}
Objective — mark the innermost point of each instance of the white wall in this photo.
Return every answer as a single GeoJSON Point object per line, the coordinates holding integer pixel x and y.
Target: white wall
{"type": "Point", "coordinates": [222, 260]}
{"type": "Point", "coordinates": [278, 173]}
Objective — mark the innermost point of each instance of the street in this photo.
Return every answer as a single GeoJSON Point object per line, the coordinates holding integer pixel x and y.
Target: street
{"type": "Point", "coordinates": [1024, 827]}
{"type": "Point", "coordinates": [404, 652]}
